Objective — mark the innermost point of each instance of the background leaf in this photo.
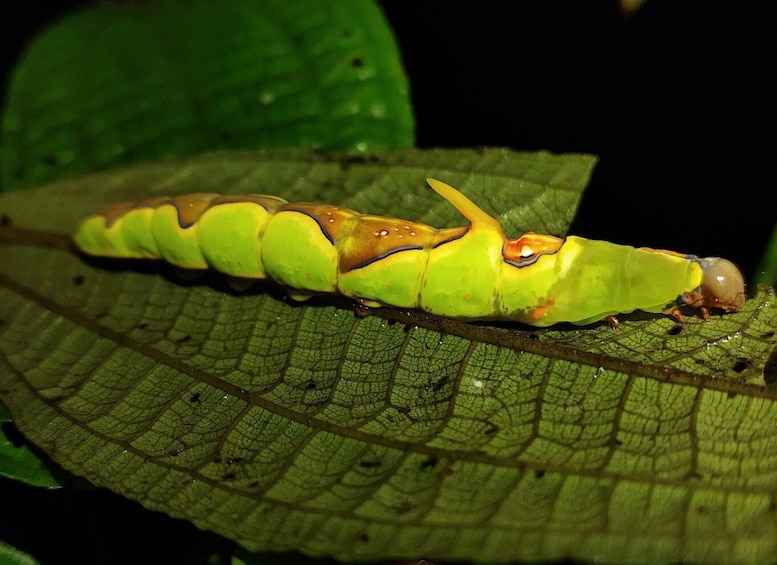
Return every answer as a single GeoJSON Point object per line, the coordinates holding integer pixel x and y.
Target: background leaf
{"type": "Point", "coordinates": [16, 460]}
{"type": "Point", "coordinates": [126, 82]}
{"type": "Point", "coordinates": [289, 427]}
{"type": "Point", "coordinates": [767, 268]}
{"type": "Point", "coordinates": [9, 555]}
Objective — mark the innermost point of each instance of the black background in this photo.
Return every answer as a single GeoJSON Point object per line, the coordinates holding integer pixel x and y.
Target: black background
{"type": "Point", "coordinates": [678, 101]}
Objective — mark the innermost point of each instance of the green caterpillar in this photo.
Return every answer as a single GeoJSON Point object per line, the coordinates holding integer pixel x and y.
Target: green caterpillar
{"type": "Point", "coordinates": [472, 272]}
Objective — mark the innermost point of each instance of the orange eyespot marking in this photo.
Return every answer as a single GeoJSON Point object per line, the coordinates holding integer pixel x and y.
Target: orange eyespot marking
{"type": "Point", "coordinates": [541, 311]}
{"type": "Point", "coordinates": [527, 248]}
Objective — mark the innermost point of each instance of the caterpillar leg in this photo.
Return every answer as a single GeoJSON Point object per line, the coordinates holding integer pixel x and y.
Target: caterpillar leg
{"type": "Point", "coordinates": [364, 306]}
{"type": "Point", "coordinates": [188, 274]}
{"type": "Point", "coordinates": [678, 316]}
{"type": "Point", "coordinates": [240, 284]}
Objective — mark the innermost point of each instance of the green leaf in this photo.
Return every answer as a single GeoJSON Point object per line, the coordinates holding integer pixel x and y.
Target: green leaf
{"type": "Point", "coordinates": [18, 462]}
{"type": "Point", "coordinates": [127, 82]}
{"type": "Point", "coordinates": [767, 268]}
{"type": "Point", "coordinates": [9, 555]}
{"type": "Point", "coordinates": [399, 435]}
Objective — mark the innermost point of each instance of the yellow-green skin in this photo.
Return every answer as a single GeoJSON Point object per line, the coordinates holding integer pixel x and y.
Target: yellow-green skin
{"type": "Point", "coordinates": [471, 272]}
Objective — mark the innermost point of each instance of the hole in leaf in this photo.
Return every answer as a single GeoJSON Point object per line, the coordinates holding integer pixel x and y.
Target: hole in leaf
{"type": "Point", "coordinates": [13, 434]}
{"type": "Point", "coordinates": [370, 464]}
{"type": "Point", "coordinates": [770, 368]}
{"type": "Point", "coordinates": [429, 463]}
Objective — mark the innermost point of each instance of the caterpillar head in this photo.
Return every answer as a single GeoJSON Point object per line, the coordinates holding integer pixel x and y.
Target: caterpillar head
{"type": "Point", "coordinates": [722, 285]}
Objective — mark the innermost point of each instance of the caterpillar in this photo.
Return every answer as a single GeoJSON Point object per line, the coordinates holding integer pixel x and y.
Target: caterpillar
{"type": "Point", "coordinates": [471, 272]}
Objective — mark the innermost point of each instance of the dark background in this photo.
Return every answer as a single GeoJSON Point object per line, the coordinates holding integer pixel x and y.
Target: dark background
{"type": "Point", "coordinates": [678, 101]}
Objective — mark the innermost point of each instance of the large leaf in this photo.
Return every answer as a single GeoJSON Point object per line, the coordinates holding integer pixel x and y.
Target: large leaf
{"type": "Point", "coordinates": [127, 82]}
{"type": "Point", "coordinates": [396, 435]}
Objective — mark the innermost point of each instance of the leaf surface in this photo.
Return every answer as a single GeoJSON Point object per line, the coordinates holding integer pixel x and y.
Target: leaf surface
{"type": "Point", "coordinates": [399, 435]}
{"type": "Point", "coordinates": [127, 82]}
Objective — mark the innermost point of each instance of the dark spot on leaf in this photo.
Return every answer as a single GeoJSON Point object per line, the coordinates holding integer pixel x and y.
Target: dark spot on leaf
{"type": "Point", "coordinates": [436, 387]}
{"type": "Point", "coordinates": [403, 409]}
{"type": "Point", "coordinates": [362, 537]}
{"type": "Point", "coordinates": [674, 330]}
{"type": "Point", "coordinates": [173, 453]}
{"type": "Point", "coordinates": [195, 397]}
{"type": "Point", "coordinates": [357, 62]}
{"type": "Point", "coordinates": [311, 385]}
{"type": "Point", "coordinates": [5, 221]}
{"type": "Point", "coordinates": [370, 464]}
{"type": "Point", "coordinates": [773, 505]}
{"type": "Point", "coordinates": [741, 364]}
{"type": "Point", "coordinates": [534, 336]}
{"type": "Point", "coordinates": [142, 325]}
{"type": "Point", "coordinates": [491, 429]}
{"type": "Point", "coordinates": [184, 339]}
{"type": "Point", "coordinates": [617, 442]}
{"type": "Point", "coordinates": [78, 280]}
{"type": "Point", "coordinates": [770, 368]}
{"type": "Point", "coordinates": [253, 484]}
{"type": "Point", "coordinates": [402, 508]}
{"type": "Point", "coordinates": [346, 33]}
{"type": "Point", "coordinates": [50, 159]}
{"type": "Point", "coordinates": [767, 335]}
{"type": "Point", "coordinates": [731, 394]}
{"type": "Point", "coordinates": [429, 463]}
{"type": "Point", "coordinates": [13, 434]}
{"type": "Point", "coordinates": [700, 361]}
{"type": "Point", "coordinates": [701, 509]}
{"type": "Point", "coordinates": [217, 460]}
{"type": "Point", "coordinates": [228, 477]}
{"type": "Point", "coordinates": [539, 473]}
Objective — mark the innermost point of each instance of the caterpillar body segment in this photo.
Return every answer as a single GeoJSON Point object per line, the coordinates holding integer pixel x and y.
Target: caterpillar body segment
{"type": "Point", "coordinates": [470, 272]}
